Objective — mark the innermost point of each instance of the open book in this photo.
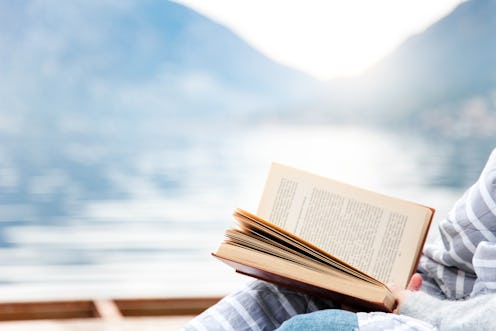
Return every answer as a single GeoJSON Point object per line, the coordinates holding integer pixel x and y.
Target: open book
{"type": "Point", "coordinates": [329, 239]}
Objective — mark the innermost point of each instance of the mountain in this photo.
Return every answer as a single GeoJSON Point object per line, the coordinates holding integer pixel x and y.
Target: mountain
{"type": "Point", "coordinates": [97, 94]}
{"type": "Point", "coordinates": [90, 89]}
{"type": "Point", "coordinates": [134, 57]}
{"type": "Point", "coordinates": [441, 79]}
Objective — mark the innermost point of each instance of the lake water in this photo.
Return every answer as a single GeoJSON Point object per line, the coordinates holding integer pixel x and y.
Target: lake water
{"type": "Point", "coordinates": [174, 200]}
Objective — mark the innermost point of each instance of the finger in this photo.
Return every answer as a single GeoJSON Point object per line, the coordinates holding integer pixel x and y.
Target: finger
{"type": "Point", "coordinates": [415, 283]}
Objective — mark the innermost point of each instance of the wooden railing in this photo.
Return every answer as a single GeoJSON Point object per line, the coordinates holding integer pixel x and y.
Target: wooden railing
{"type": "Point", "coordinates": [106, 309]}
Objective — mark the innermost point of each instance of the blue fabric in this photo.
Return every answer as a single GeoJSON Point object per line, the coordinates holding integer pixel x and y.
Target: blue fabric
{"type": "Point", "coordinates": [322, 320]}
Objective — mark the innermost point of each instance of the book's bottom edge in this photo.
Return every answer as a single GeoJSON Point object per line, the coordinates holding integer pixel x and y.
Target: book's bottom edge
{"type": "Point", "coordinates": [339, 300]}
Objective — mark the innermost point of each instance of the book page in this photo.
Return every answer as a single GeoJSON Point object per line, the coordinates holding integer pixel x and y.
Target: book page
{"type": "Point", "coordinates": [289, 272]}
{"type": "Point", "coordinates": [377, 234]}
{"type": "Point", "coordinates": [256, 228]}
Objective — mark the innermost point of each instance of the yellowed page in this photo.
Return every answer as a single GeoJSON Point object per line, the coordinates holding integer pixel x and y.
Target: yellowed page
{"type": "Point", "coordinates": [330, 280]}
{"type": "Point", "coordinates": [378, 234]}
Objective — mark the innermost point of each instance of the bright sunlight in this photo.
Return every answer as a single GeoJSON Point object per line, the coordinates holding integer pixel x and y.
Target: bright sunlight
{"type": "Point", "coordinates": [327, 39]}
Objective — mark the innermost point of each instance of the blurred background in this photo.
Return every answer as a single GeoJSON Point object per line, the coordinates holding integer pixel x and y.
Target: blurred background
{"type": "Point", "coordinates": [130, 130]}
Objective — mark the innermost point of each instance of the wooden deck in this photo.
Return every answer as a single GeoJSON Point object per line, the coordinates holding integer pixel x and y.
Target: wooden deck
{"type": "Point", "coordinates": [127, 324]}
{"type": "Point", "coordinates": [96, 315]}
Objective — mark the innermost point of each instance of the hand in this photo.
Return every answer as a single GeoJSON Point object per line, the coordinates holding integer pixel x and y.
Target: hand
{"type": "Point", "coordinates": [401, 294]}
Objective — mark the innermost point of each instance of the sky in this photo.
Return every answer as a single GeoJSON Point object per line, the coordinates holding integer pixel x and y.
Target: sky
{"type": "Point", "coordinates": [326, 39]}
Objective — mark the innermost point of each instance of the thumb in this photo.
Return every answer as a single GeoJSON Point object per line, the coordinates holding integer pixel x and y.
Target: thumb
{"type": "Point", "coordinates": [394, 288]}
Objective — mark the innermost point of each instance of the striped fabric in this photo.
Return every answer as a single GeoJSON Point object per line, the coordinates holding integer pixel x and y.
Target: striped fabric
{"type": "Point", "coordinates": [485, 268]}
{"type": "Point", "coordinates": [465, 255]}
{"type": "Point", "coordinates": [258, 306]}
{"type": "Point", "coordinates": [462, 263]}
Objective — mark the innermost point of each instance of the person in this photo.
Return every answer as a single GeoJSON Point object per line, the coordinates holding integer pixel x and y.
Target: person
{"type": "Point", "coordinates": [455, 288]}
